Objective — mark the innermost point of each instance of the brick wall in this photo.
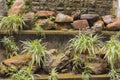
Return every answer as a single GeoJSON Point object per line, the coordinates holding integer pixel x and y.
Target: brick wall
{"type": "Point", "coordinates": [101, 7]}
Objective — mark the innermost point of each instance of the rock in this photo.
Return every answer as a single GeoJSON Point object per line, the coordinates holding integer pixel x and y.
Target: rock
{"type": "Point", "coordinates": [80, 24]}
{"type": "Point", "coordinates": [89, 16]}
{"type": "Point", "coordinates": [92, 18]}
{"type": "Point", "coordinates": [35, 3]}
{"type": "Point", "coordinates": [107, 19]}
{"type": "Point", "coordinates": [61, 26]}
{"type": "Point", "coordinates": [97, 65]}
{"type": "Point", "coordinates": [98, 26]}
{"type": "Point", "coordinates": [29, 16]}
{"type": "Point", "coordinates": [60, 9]}
{"type": "Point", "coordinates": [3, 70]}
{"type": "Point", "coordinates": [17, 61]}
{"type": "Point", "coordinates": [59, 62]}
{"type": "Point", "coordinates": [3, 55]}
{"type": "Point", "coordinates": [3, 8]}
{"type": "Point", "coordinates": [45, 13]}
{"type": "Point", "coordinates": [63, 18]}
{"type": "Point", "coordinates": [46, 24]}
{"type": "Point", "coordinates": [64, 71]}
{"type": "Point", "coordinates": [99, 23]}
{"type": "Point", "coordinates": [117, 66]}
{"type": "Point", "coordinates": [17, 7]}
{"type": "Point", "coordinates": [76, 15]}
{"type": "Point", "coordinates": [115, 25]}
{"type": "Point", "coordinates": [29, 20]}
{"type": "Point", "coordinates": [53, 51]}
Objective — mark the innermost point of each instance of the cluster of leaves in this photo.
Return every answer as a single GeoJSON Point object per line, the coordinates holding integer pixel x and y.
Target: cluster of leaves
{"type": "Point", "coordinates": [112, 51]}
{"type": "Point", "coordinates": [37, 49]}
{"type": "Point", "coordinates": [9, 3]}
{"type": "Point", "coordinates": [88, 43]}
{"type": "Point", "coordinates": [10, 46]}
{"type": "Point", "coordinates": [39, 29]}
{"type": "Point", "coordinates": [113, 54]}
{"type": "Point", "coordinates": [12, 23]}
{"type": "Point", "coordinates": [53, 75]}
{"type": "Point", "coordinates": [77, 64]}
{"type": "Point", "coordinates": [86, 75]}
{"type": "Point", "coordinates": [23, 74]}
{"type": "Point", "coordinates": [84, 42]}
{"type": "Point", "coordinates": [114, 75]}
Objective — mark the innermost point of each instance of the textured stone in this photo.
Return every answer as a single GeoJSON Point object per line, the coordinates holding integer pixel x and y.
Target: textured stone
{"type": "Point", "coordinates": [89, 16]}
{"type": "Point", "coordinates": [17, 7]}
{"type": "Point", "coordinates": [29, 15]}
{"type": "Point", "coordinates": [98, 26]}
{"type": "Point", "coordinates": [29, 20]}
{"type": "Point", "coordinates": [115, 25]}
{"type": "Point", "coordinates": [3, 7]}
{"type": "Point", "coordinates": [59, 62]}
{"type": "Point", "coordinates": [76, 15]}
{"type": "Point", "coordinates": [92, 18]}
{"type": "Point", "coordinates": [97, 65]}
{"type": "Point", "coordinates": [80, 24]}
{"type": "Point", "coordinates": [45, 23]}
{"type": "Point", "coordinates": [61, 26]}
{"type": "Point", "coordinates": [3, 55]}
{"type": "Point", "coordinates": [107, 18]}
{"type": "Point", "coordinates": [63, 18]}
{"type": "Point", "coordinates": [18, 61]}
{"type": "Point", "coordinates": [45, 13]}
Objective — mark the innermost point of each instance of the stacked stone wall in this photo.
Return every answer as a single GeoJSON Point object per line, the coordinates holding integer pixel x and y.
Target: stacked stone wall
{"type": "Point", "coordinates": [101, 7]}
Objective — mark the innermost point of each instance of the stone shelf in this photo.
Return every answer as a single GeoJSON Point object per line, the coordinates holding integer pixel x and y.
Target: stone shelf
{"type": "Point", "coordinates": [69, 76]}
{"type": "Point", "coordinates": [61, 32]}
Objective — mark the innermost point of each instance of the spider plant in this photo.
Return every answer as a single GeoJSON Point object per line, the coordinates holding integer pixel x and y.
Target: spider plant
{"type": "Point", "coordinates": [37, 50]}
{"type": "Point", "coordinates": [12, 23]}
{"type": "Point", "coordinates": [87, 73]}
{"type": "Point", "coordinates": [83, 43]}
{"type": "Point", "coordinates": [23, 74]}
{"type": "Point", "coordinates": [39, 29]}
{"type": "Point", "coordinates": [113, 54]}
{"type": "Point", "coordinates": [114, 75]}
{"type": "Point", "coordinates": [53, 75]}
{"type": "Point", "coordinates": [10, 46]}
{"type": "Point", "coordinates": [77, 64]}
